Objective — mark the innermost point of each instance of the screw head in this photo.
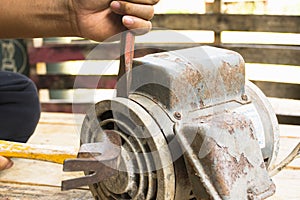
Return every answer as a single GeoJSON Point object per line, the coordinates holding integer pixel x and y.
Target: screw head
{"type": "Point", "coordinates": [244, 97]}
{"type": "Point", "coordinates": [177, 115]}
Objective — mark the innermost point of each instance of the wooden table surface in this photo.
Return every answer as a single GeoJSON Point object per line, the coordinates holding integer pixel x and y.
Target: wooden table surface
{"type": "Point", "coordinates": [30, 179]}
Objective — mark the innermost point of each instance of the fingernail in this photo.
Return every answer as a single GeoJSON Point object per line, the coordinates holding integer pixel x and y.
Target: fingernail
{"type": "Point", "coordinates": [115, 5]}
{"type": "Point", "coordinates": [128, 20]}
{"type": "Point", "coordinates": [9, 165]}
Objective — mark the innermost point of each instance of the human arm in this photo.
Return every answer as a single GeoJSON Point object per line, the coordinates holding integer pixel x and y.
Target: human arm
{"type": "Point", "coordinates": [92, 19]}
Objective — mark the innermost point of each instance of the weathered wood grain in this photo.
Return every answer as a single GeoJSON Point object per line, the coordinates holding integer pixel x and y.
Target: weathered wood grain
{"type": "Point", "coordinates": [11, 191]}
{"type": "Point", "coordinates": [225, 22]}
{"type": "Point", "coordinates": [63, 81]}
{"type": "Point", "coordinates": [252, 53]}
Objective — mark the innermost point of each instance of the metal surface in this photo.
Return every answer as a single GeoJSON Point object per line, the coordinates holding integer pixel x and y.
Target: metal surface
{"type": "Point", "coordinates": [268, 118]}
{"type": "Point", "coordinates": [190, 79]}
{"type": "Point", "coordinates": [100, 159]}
{"type": "Point", "coordinates": [104, 165]}
{"type": "Point", "coordinates": [190, 128]}
{"type": "Point", "coordinates": [146, 169]}
{"type": "Point", "coordinates": [225, 156]}
{"type": "Point", "coordinates": [183, 188]}
{"type": "Point", "coordinates": [126, 57]}
{"type": "Point", "coordinates": [203, 77]}
{"type": "Point", "coordinates": [206, 82]}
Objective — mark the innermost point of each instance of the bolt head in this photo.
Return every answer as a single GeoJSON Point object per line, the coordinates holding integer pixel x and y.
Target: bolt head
{"type": "Point", "coordinates": [178, 115]}
{"type": "Point", "coordinates": [244, 97]}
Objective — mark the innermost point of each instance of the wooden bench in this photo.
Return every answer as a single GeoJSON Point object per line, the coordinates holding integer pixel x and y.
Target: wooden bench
{"type": "Point", "coordinates": [30, 179]}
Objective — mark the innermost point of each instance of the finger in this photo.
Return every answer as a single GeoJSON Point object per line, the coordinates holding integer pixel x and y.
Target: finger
{"type": "Point", "coordinates": [5, 163]}
{"type": "Point", "coordinates": [145, 2]}
{"type": "Point", "coordinates": [125, 8]}
{"type": "Point", "coordinates": [137, 25]}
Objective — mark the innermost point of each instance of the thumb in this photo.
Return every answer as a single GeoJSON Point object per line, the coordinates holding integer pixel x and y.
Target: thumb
{"type": "Point", "coordinates": [5, 163]}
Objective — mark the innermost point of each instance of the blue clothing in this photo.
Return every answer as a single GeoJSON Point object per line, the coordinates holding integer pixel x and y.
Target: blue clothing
{"type": "Point", "coordinates": [19, 107]}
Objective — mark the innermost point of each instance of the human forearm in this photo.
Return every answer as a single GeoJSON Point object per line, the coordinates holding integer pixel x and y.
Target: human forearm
{"type": "Point", "coordinates": [92, 19]}
{"type": "Point", "coordinates": [31, 18]}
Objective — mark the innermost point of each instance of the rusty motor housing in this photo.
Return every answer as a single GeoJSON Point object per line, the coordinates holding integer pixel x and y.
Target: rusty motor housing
{"type": "Point", "coordinates": [192, 128]}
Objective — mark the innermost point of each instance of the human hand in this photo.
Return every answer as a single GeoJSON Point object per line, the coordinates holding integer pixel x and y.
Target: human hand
{"type": "Point", "coordinates": [101, 19]}
{"type": "Point", "coordinates": [5, 163]}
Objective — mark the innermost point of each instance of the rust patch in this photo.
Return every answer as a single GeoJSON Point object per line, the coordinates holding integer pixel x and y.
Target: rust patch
{"type": "Point", "coordinates": [192, 76]}
{"type": "Point", "coordinates": [252, 136]}
{"type": "Point", "coordinates": [233, 76]}
{"type": "Point", "coordinates": [161, 55]}
{"type": "Point", "coordinates": [202, 104]}
{"type": "Point", "coordinates": [185, 86]}
{"type": "Point", "coordinates": [223, 169]}
{"type": "Point", "coordinates": [228, 121]}
{"type": "Point", "coordinates": [202, 119]}
{"type": "Point", "coordinates": [174, 99]}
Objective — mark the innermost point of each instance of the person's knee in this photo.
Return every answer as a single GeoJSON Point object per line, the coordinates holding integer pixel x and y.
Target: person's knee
{"type": "Point", "coordinates": [19, 107]}
{"type": "Point", "coordinates": [31, 108]}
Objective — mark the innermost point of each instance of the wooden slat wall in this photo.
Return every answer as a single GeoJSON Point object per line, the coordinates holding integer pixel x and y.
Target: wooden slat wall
{"type": "Point", "coordinates": [58, 81]}
{"type": "Point", "coordinates": [252, 53]}
{"type": "Point", "coordinates": [217, 22]}
{"type": "Point", "coordinates": [223, 22]}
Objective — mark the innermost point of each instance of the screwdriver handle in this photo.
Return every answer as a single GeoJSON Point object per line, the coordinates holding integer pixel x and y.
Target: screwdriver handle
{"type": "Point", "coordinates": [50, 153]}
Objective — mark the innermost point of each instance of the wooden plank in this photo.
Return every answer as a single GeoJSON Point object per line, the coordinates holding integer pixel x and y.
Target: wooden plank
{"type": "Point", "coordinates": [228, 22]}
{"type": "Point", "coordinates": [287, 144]}
{"type": "Point", "coordinates": [287, 185]}
{"type": "Point", "coordinates": [269, 54]}
{"type": "Point", "coordinates": [286, 119]}
{"type": "Point", "coordinates": [287, 181]}
{"type": "Point", "coordinates": [287, 110]}
{"type": "Point", "coordinates": [55, 118]}
{"type": "Point", "coordinates": [252, 53]}
{"type": "Point", "coordinates": [55, 106]}
{"type": "Point", "coordinates": [79, 67]}
{"type": "Point", "coordinates": [289, 131]}
{"type": "Point", "coordinates": [279, 90]}
{"type": "Point", "coordinates": [289, 107]}
{"type": "Point", "coordinates": [85, 51]}
{"type": "Point", "coordinates": [273, 73]}
{"type": "Point", "coordinates": [10, 191]}
{"type": "Point", "coordinates": [63, 81]}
